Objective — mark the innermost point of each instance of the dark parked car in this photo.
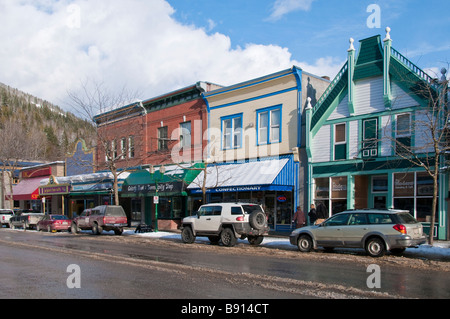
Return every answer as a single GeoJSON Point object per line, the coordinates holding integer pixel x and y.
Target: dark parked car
{"type": "Point", "coordinates": [52, 223]}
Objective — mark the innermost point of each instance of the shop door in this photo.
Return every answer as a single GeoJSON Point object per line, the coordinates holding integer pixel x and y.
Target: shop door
{"type": "Point", "coordinates": [379, 201]}
{"type": "Point", "coordinates": [148, 210]}
{"type": "Point", "coordinates": [270, 209]}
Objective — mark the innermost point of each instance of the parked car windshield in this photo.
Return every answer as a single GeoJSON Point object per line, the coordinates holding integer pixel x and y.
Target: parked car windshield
{"type": "Point", "coordinates": [406, 218]}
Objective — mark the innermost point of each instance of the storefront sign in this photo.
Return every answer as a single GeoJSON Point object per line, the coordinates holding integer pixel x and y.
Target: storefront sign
{"type": "Point", "coordinates": [54, 190]}
{"type": "Point", "coordinates": [339, 187]}
{"type": "Point", "coordinates": [404, 185]}
{"type": "Point", "coordinates": [43, 171]}
{"type": "Point", "coordinates": [254, 188]}
{"type": "Point", "coordinates": [151, 188]}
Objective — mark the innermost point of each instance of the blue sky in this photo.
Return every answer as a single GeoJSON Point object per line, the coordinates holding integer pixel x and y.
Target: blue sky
{"type": "Point", "coordinates": [419, 28]}
{"type": "Point", "coordinates": [50, 47]}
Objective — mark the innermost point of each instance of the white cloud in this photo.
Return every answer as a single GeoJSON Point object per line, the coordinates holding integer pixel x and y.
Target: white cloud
{"type": "Point", "coordinates": [327, 66]}
{"type": "Point", "coordinates": [282, 7]}
{"type": "Point", "coordinates": [50, 47]}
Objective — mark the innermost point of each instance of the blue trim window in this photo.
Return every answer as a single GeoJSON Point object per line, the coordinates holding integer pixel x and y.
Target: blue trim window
{"type": "Point", "coordinates": [269, 125]}
{"type": "Point", "coordinates": [232, 131]}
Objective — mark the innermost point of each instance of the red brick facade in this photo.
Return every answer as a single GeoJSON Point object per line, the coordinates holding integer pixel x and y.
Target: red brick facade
{"type": "Point", "coordinates": [150, 132]}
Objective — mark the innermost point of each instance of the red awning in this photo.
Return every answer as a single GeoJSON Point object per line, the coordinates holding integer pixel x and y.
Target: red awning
{"type": "Point", "coordinates": [27, 189]}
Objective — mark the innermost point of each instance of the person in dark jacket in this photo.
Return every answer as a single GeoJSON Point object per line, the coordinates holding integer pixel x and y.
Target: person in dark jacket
{"type": "Point", "coordinates": [321, 213]}
{"type": "Point", "coordinates": [312, 214]}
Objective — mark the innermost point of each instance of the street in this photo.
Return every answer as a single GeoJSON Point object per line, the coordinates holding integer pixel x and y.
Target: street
{"type": "Point", "coordinates": [36, 265]}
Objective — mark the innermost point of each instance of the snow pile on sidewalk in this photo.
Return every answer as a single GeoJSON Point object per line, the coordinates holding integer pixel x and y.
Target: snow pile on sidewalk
{"type": "Point", "coordinates": [439, 249]}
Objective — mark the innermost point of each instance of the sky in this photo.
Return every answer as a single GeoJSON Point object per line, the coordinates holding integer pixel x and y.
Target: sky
{"type": "Point", "coordinates": [51, 47]}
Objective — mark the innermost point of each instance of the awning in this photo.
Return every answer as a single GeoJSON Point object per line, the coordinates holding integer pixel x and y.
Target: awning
{"type": "Point", "coordinates": [27, 189]}
{"type": "Point", "coordinates": [90, 184]}
{"type": "Point", "coordinates": [242, 177]}
{"type": "Point", "coordinates": [172, 183]}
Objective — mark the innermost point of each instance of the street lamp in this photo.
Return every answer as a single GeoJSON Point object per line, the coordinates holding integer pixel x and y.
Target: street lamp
{"type": "Point", "coordinates": [162, 170]}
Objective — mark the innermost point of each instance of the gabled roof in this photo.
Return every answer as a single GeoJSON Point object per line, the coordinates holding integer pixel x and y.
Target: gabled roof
{"type": "Point", "coordinates": [370, 63]}
{"type": "Point", "coordinates": [370, 59]}
{"type": "Point", "coordinates": [336, 87]}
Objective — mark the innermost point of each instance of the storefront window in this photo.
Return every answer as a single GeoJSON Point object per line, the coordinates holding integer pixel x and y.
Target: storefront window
{"type": "Point", "coordinates": [322, 188]}
{"type": "Point", "coordinates": [177, 207]}
{"type": "Point", "coordinates": [229, 197]}
{"type": "Point", "coordinates": [404, 185]}
{"type": "Point", "coordinates": [284, 208]}
{"type": "Point", "coordinates": [414, 192]}
{"type": "Point", "coordinates": [164, 208]}
{"type": "Point", "coordinates": [336, 199]}
{"type": "Point", "coordinates": [244, 196]}
{"type": "Point", "coordinates": [338, 194]}
{"type": "Point", "coordinates": [136, 211]}
{"type": "Point", "coordinates": [379, 183]}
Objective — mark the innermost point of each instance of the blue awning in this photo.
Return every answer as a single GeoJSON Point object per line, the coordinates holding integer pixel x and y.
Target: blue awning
{"type": "Point", "coordinates": [256, 176]}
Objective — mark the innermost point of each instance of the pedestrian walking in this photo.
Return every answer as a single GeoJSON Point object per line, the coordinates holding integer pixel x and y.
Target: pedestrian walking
{"type": "Point", "coordinates": [299, 218]}
{"type": "Point", "coordinates": [312, 214]}
{"type": "Point", "coordinates": [321, 213]}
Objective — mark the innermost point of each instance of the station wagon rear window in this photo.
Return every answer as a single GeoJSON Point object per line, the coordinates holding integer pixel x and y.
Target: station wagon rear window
{"type": "Point", "coordinates": [406, 218]}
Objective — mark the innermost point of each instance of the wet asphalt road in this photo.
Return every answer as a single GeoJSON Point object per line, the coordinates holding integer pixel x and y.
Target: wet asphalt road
{"type": "Point", "coordinates": [34, 265]}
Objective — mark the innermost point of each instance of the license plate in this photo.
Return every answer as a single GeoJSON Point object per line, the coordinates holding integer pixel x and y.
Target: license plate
{"type": "Point", "coordinates": [64, 223]}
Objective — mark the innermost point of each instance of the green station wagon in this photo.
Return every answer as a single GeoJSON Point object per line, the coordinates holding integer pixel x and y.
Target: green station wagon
{"type": "Point", "coordinates": [377, 231]}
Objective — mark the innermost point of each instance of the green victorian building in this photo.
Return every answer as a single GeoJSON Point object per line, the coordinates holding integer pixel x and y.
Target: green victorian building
{"type": "Point", "coordinates": [359, 129]}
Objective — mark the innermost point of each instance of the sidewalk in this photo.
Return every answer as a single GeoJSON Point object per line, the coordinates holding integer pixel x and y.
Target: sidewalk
{"type": "Point", "coordinates": [285, 235]}
{"type": "Point", "coordinates": [440, 249]}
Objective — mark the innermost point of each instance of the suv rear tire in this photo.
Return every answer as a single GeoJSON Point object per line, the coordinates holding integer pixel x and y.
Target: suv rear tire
{"type": "Point", "coordinates": [255, 240]}
{"type": "Point", "coordinates": [257, 220]}
{"type": "Point", "coordinates": [228, 238]}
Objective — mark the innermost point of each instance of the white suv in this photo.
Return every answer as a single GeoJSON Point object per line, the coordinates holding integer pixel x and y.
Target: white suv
{"type": "Point", "coordinates": [226, 222]}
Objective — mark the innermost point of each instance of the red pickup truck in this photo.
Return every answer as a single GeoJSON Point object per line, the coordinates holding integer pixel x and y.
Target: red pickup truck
{"type": "Point", "coordinates": [106, 217]}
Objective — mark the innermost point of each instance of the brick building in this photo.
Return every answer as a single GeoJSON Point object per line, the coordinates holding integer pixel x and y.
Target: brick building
{"type": "Point", "coordinates": [146, 132]}
{"type": "Point", "coordinates": [149, 134]}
